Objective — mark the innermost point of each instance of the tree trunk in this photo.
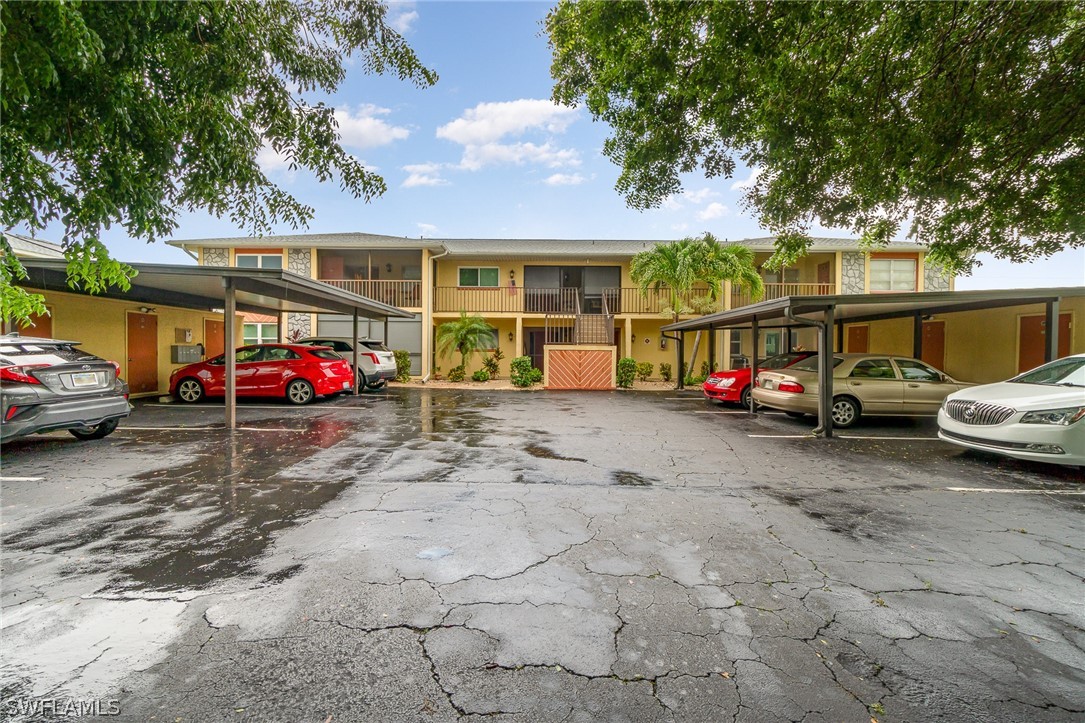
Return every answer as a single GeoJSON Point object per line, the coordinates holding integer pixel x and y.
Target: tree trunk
{"type": "Point", "coordinates": [693, 354]}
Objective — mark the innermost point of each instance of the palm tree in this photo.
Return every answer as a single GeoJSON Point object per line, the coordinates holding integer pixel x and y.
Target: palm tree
{"type": "Point", "coordinates": [466, 335]}
{"type": "Point", "coordinates": [680, 265]}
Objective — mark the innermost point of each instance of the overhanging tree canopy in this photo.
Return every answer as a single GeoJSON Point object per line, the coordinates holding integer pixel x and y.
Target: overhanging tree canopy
{"type": "Point", "coordinates": [960, 122]}
{"type": "Point", "coordinates": [130, 112]}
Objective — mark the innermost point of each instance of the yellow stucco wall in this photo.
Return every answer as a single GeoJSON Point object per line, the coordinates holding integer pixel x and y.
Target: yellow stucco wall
{"type": "Point", "coordinates": [101, 327]}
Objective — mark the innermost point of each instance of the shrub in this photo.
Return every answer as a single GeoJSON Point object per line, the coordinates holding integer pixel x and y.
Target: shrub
{"type": "Point", "coordinates": [627, 370]}
{"type": "Point", "coordinates": [706, 370]}
{"type": "Point", "coordinates": [481, 376]}
{"type": "Point", "coordinates": [492, 363]}
{"type": "Point", "coordinates": [457, 374]}
{"type": "Point", "coordinates": [644, 370]}
{"type": "Point", "coordinates": [692, 381]}
{"type": "Point", "coordinates": [403, 365]}
{"type": "Point", "coordinates": [665, 372]}
{"type": "Point", "coordinates": [522, 374]}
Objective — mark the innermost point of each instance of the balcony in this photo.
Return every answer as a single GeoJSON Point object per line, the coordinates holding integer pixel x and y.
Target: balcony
{"type": "Point", "coordinates": [779, 291]}
{"type": "Point", "coordinates": [399, 293]}
{"type": "Point", "coordinates": [555, 301]}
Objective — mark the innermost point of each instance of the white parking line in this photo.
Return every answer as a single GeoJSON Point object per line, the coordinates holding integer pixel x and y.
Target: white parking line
{"type": "Point", "coordinates": [782, 436]}
{"type": "Point", "coordinates": [241, 407]}
{"type": "Point", "coordinates": [731, 411]}
{"type": "Point", "coordinates": [692, 399]}
{"type": "Point", "coordinates": [1014, 492]}
{"type": "Point", "coordinates": [21, 479]}
{"type": "Point", "coordinates": [206, 429]}
{"type": "Point", "coordinates": [910, 439]}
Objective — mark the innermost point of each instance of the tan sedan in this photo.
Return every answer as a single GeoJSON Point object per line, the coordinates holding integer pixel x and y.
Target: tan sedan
{"type": "Point", "coordinates": [863, 384]}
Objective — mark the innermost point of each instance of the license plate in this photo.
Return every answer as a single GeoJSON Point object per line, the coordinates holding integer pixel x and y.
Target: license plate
{"type": "Point", "coordinates": [346, 385]}
{"type": "Point", "coordinates": [769, 384]}
{"type": "Point", "coordinates": [84, 379]}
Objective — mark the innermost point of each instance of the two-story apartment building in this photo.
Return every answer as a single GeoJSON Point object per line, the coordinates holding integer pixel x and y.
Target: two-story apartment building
{"type": "Point", "coordinates": [539, 292]}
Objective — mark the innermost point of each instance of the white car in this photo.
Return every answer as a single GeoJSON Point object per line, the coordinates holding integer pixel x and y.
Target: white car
{"type": "Point", "coordinates": [1038, 415]}
{"type": "Point", "coordinates": [376, 362]}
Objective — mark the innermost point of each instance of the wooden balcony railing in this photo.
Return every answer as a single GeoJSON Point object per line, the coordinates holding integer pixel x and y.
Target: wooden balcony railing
{"type": "Point", "coordinates": [779, 291]}
{"type": "Point", "coordinates": [505, 299]}
{"type": "Point", "coordinates": [404, 294]}
{"type": "Point", "coordinates": [630, 300]}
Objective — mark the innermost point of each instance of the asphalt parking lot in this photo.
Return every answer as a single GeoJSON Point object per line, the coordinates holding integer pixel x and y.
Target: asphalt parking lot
{"type": "Point", "coordinates": [425, 555]}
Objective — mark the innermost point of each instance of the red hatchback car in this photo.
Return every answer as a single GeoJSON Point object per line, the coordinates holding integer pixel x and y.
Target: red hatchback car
{"type": "Point", "coordinates": [294, 371]}
{"type": "Point", "coordinates": [734, 385]}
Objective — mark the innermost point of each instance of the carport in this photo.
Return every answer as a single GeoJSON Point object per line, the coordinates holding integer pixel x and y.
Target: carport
{"type": "Point", "coordinates": [227, 290]}
{"type": "Point", "coordinates": [829, 314]}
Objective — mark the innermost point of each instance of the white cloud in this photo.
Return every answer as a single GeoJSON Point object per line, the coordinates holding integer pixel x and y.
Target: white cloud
{"type": "Point", "coordinates": [713, 210]}
{"type": "Point", "coordinates": [427, 229]}
{"type": "Point", "coordinates": [401, 16]}
{"type": "Point", "coordinates": [485, 132]}
{"type": "Point", "coordinates": [680, 227]}
{"type": "Point", "coordinates": [748, 183]}
{"type": "Point", "coordinates": [490, 122]}
{"type": "Point", "coordinates": [424, 174]}
{"type": "Point", "coordinates": [271, 161]}
{"type": "Point", "coordinates": [700, 196]}
{"type": "Point", "coordinates": [564, 179]}
{"type": "Point", "coordinates": [363, 128]}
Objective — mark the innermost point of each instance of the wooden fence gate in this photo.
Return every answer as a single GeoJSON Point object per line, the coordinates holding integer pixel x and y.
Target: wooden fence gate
{"type": "Point", "coordinates": [580, 367]}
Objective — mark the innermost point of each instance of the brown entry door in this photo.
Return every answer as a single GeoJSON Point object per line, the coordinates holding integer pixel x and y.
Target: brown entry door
{"type": "Point", "coordinates": [214, 338]}
{"type": "Point", "coordinates": [858, 336]}
{"type": "Point", "coordinates": [934, 344]}
{"type": "Point", "coordinates": [534, 339]}
{"type": "Point", "coordinates": [1033, 334]}
{"type": "Point", "coordinates": [142, 371]}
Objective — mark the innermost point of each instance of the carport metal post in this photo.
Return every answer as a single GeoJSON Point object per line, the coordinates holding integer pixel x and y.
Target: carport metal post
{"type": "Point", "coordinates": [230, 342]}
{"type": "Point", "coordinates": [825, 376]}
{"type": "Point", "coordinates": [711, 349]}
{"type": "Point", "coordinates": [1051, 337]}
{"type": "Point", "coordinates": [354, 345]}
{"type": "Point", "coordinates": [753, 364]}
{"type": "Point", "coordinates": [681, 360]}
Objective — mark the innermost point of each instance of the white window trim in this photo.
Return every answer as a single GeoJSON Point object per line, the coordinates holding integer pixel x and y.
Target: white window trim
{"type": "Point", "coordinates": [260, 338]}
{"type": "Point", "coordinates": [479, 268]}
{"type": "Point", "coordinates": [260, 259]}
{"type": "Point", "coordinates": [892, 261]}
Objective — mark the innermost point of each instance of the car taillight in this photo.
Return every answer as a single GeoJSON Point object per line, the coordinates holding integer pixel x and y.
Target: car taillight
{"type": "Point", "coordinates": [373, 358]}
{"type": "Point", "coordinates": [11, 413]}
{"type": "Point", "coordinates": [791, 387]}
{"type": "Point", "coordinates": [116, 368]}
{"type": "Point", "coordinates": [20, 374]}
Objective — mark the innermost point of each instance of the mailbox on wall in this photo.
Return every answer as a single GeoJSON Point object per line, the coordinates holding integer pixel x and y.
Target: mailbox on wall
{"type": "Point", "coordinates": [185, 353]}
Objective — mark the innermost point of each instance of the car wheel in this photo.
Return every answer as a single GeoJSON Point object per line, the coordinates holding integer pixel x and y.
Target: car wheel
{"type": "Point", "coordinates": [97, 431]}
{"type": "Point", "coordinates": [796, 415]}
{"type": "Point", "coordinates": [299, 391]}
{"type": "Point", "coordinates": [189, 391]}
{"type": "Point", "coordinates": [379, 384]}
{"type": "Point", "coordinates": [845, 412]}
{"type": "Point", "coordinates": [744, 399]}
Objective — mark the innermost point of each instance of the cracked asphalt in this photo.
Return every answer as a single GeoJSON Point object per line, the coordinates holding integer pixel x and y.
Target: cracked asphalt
{"type": "Point", "coordinates": [423, 555]}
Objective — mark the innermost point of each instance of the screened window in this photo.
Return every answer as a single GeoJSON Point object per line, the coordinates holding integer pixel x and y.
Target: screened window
{"type": "Point", "coordinates": [479, 276]}
{"type": "Point", "coordinates": [260, 333]}
{"type": "Point", "coordinates": [892, 274]}
{"type": "Point", "coordinates": [258, 261]}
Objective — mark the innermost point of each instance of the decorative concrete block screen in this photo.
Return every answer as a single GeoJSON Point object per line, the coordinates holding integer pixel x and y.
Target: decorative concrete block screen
{"type": "Point", "coordinates": [580, 367]}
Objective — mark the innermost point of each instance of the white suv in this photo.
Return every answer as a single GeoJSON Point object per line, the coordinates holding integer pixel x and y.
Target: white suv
{"type": "Point", "coordinates": [376, 362]}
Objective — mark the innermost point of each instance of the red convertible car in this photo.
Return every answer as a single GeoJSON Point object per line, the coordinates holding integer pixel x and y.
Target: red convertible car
{"type": "Point", "coordinates": [294, 371]}
{"type": "Point", "coordinates": [734, 385]}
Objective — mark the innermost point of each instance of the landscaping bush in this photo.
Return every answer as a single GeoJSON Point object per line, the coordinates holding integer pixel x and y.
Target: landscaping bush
{"type": "Point", "coordinates": [403, 365]}
{"type": "Point", "coordinates": [665, 372]}
{"type": "Point", "coordinates": [481, 376]}
{"type": "Point", "coordinates": [706, 370]}
{"type": "Point", "coordinates": [644, 370]}
{"type": "Point", "coordinates": [522, 374]}
{"type": "Point", "coordinates": [457, 374]}
{"type": "Point", "coordinates": [627, 370]}
{"type": "Point", "coordinates": [492, 363]}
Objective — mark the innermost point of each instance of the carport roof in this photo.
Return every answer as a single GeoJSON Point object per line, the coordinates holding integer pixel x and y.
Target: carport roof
{"type": "Point", "coordinates": [856, 308]}
{"type": "Point", "coordinates": [203, 287]}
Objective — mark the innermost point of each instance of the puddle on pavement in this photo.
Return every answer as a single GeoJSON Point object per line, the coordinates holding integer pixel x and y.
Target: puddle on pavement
{"type": "Point", "coordinates": [631, 479]}
{"type": "Point", "coordinates": [187, 527]}
{"type": "Point", "coordinates": [536, 450]}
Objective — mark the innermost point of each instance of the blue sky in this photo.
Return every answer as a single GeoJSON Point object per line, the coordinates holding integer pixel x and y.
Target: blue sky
{"type": "Point", "coordinates": [484, 154]}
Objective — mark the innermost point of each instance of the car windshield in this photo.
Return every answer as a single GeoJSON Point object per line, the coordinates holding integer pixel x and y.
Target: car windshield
{"type": "Point", "coordinates": [1062, 372]}
{"type": "Point", "coordinates": [781, 360]}
{"type": "Point", "coordinates": [810, 363]}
